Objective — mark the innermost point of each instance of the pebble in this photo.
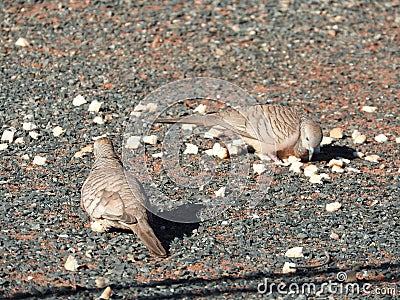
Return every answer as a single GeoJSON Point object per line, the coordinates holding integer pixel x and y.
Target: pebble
{"type": "Point", "coordinates": [326, 140]}
{"type": "Point", "coordinates": [355, 134]}
{"type": "Point", "coordinates": [296, 166]}
{"type": "Point", "coordinates": [25, 157]}
{"type": "Point", "coordinates": [106, 293]}
{"type": "Point", "coordinates": [94, 106]}
{"type": "Point", "coordinates": [39, 160]}
{"type": "Point", "coordinates": [102, 282]}
{"type": "Point", "coordinates": [337, 169]}
{"type": "Point", "coordinates": [151, 107]}
{"type": "Point", "coordinates": [315, 178]}
{"type": "Point", "coordinates": [57, 131]}
{"type": "Point", "coordinates": [310, 170]}
{"type": "Point", "coordinates": [381, 138]}
{"type": "Point", "coordinates": [71, 264]}
{"type": "Point", "coordinates": [333, 206]}
{"type": "Point", "coordinates": [28, 126]}
{"type": "Point", "coordinates": [218, 150]}
{"type": "Point", "coordinates": [259, 168]}
{"type": "Point", "coordinates": [372, 158]}
{"type": "Point", "coordinates": [191, 149]}
{"type": "Point", "coordinates": [360, 139]}
{"type": "Point", "coordinates": [8, 135]}
{"type": "Point", "coordinates": [188, 127]}
{"type": "Point", "coordinates": [289, 268]}
{"type": "Point", "coordinates": [98, 120]}
{"type": "Point", "coordinates": [368, 109]}
{"type": "Point", "coordinates": [336, 133]}
{"type": "Point", "coordinates": [201, 109]}
{"type": "Point", "coordinates": [398, 140]}
{"type": "Point", "coordinates": [78, 100]}
{"type": "Point", "coordinates": [150, 139]}
{"type": "Point", "coordinates": [22, 42]}
{"type": "Point", "coordinates": [157, 155]}
{"type": "Point", "coordinates": [212, 133]}
{"type": "Point", "coordinates": [294, 252]}
{"type": "Point", "coordinates": [334, 236]}
{"type": "Point", "coordinates": [353, 170]}
{"type": "Point", "coordinates": [335, 162]}
{"type": "Point", "coordinates": [19, 140]}
{"type": "Point", "coordinates": [133, 142]}
{"type": "Point", "coordinates": [220, 192]}
{"type": "Point", "coordinates": [84, 150]}
{"type": "Point", "coordinates": [34, 135]}
{"type": "Point", "coordinates": [3, 147]}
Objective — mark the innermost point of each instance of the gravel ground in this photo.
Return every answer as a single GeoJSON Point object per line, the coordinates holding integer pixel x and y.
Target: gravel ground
{"type": "Point", "coordinates": [326, 58]}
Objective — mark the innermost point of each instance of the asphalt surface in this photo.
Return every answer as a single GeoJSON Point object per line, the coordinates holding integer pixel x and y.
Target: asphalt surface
{"type": "Point", "coordinates": [328, 59]}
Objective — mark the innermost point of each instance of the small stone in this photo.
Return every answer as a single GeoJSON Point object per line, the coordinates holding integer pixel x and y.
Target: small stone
{"type": "Point", "coordinates": [296, 167]}
{"type": "Point", "coordinates": [333, 206]}
{"type": "Point", "coordinates": [259, 168]}
{"type": "Point", "coordinates": [294, 252]}
{"type": "Point", "coordinates": [336, 133]}
{"type": "Point", "coordinates": [97, 226]}
{"type": "Point", "coordinates": [150, 139]}
{"type": "Point", "coordinates": [310, 170]}
{"type": "Point", "coordinates": [106, 293]}
{"type": "Point", "coordinates": [28, 126]}
{"type": "Point", "coordinates": [372, 158]}
{"type": "Point", "coordinates": [34, 135]}
{"type": "Point", "coordinates": [8, 135]}
{"type": "Point", "coordinates": [22, 42]}
{"type": "Point", "coordinates": [326, 140]}
{"type": "Point", "coordinates": [337, 169]}
{"type": "Point", "coordinates": [39, 160]}
{"type": "Point", "coordinates": [289, 268]}
{"type": "Point", "coordinates": [102, 282]}
{"type": "Point", "coordinates": [191, 149]}
{"type": "Point", "coordinates": [108, 117]}
{"type": "Point", "coordinates": [201, 109]}
{"type": "Point", "coordinates": [355, 134]}
{"type": "Point", "coordinates": [381, 138]}
{"type": "Point", "coordinates": [84, 150]}
{"type": "Point", "coordinates": [151, 107]}
{"type": "Point", "coordinates": [3, 147]}
{"type": "Point", "coordinates": [25, 157]}
{"type": "Point", "coordinates": [98, 120]}
{"type": "Point", "coordinates": [398, 140]}
{"type": "Point", "coordinates": [140, 108]}
{"type": "Point", "coordinates": [358, 154]}
{"type": "Point", "coordinates": [234, 150]}
{"type": "Point", "coordinates": [368, 109]}
{"type": "Point", "coordinates": [353, 170]}
{"type": "Point", "coordinates": [360, 139]}
{"type": "Point", "coordinates": [79, 100]}
{"type": "Point", "coordinates": [315, 178]}
{"type": "Point", "coordinates": [57, 131]}
{"type": "Point", "coordinates": [212, 133]}
{"type": "Point", "coordinates": [19, 140]}
{"type": "Point", "coordinates": [188, 127]}
{"type": "Point", "coordinates": [133, 142]}
{"type": "Point", "coordinates": [220, 192]}
{"type": "Point", "coordinates": [157, 155]}
{"type": "Point", "coordinates": [334, 236]}
{"type": "Point", "coordinates": [335, 162]}
{"type": "Point", "coordinates": [71, 264]}
{"type": "Point", "coordinates": [94, 106]}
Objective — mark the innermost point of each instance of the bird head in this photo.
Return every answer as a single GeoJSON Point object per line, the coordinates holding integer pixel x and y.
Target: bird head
{"type": "Point", "coordinates": [103, 148]}
{"type": "Point", "coordinates": [311, 136]}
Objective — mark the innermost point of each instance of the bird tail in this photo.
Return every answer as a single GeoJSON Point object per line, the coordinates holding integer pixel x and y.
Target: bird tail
{"type": "Point", "coordinates": [143, 230]}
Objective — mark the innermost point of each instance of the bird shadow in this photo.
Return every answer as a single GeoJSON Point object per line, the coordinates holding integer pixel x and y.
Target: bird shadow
{"type": "Point", "coordinates": [330, 152]}
{"type": "Point", "coordinates": [167, 230]}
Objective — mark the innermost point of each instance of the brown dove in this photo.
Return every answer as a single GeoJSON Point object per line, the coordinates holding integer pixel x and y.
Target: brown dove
{"type": "Point", "coordinates": [273, 130]}
{"type": "Point", "coordinates": [111, 202]}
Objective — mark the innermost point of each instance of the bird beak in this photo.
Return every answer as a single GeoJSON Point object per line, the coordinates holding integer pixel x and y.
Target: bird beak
{"type": "Point", "coordinates": [310, 153]}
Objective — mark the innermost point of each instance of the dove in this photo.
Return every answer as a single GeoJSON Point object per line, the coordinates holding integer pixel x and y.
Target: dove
{"type": "Point", "coordinates": [113, 203]}
{"type": "Point", "coordinates": [274, 131]}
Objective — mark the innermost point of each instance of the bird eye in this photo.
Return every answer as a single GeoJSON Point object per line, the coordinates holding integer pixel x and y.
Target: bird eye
{"type": "Point", "coordinates": [307, 139]}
